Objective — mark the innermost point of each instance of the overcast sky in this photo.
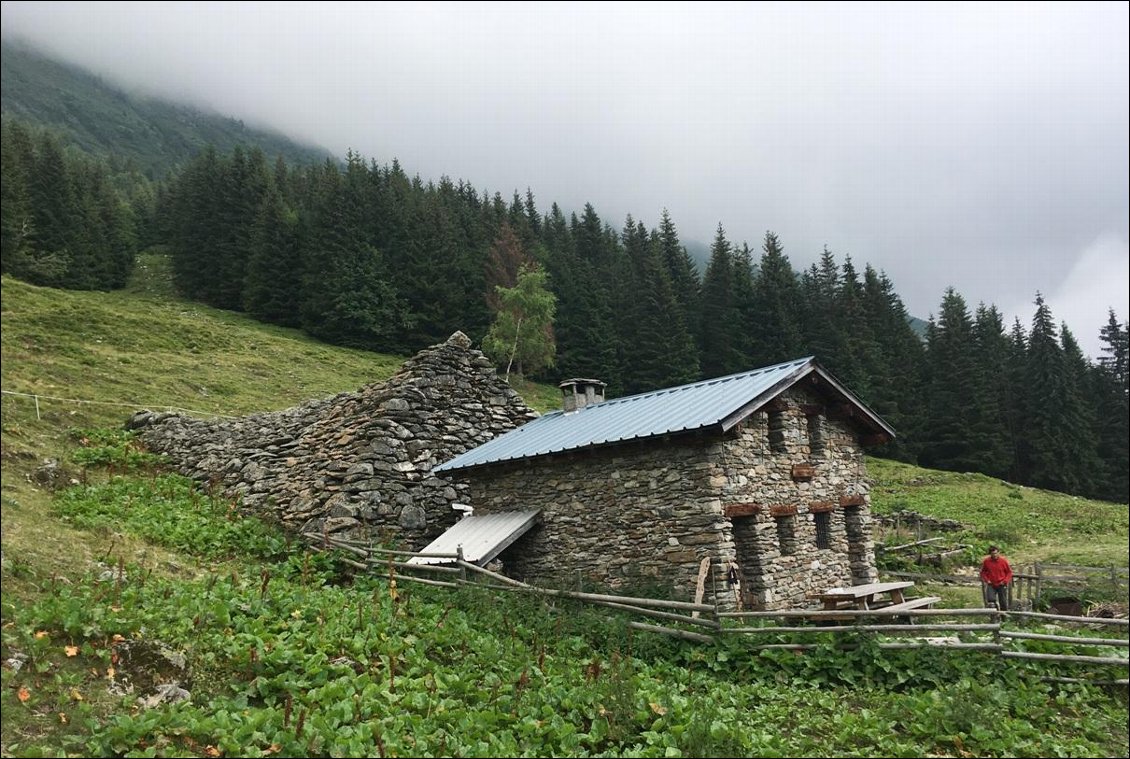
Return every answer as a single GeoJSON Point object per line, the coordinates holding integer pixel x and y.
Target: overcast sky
{"type": "Point", "coordinates": [981, 146]}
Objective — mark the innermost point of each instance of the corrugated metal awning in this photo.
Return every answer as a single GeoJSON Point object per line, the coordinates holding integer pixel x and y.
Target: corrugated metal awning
{"type": "Point", "coordinates": [482, 537]}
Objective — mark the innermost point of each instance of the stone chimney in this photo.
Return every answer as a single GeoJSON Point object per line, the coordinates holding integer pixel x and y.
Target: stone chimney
{"type": "Point", "coordinates": [579, 393]}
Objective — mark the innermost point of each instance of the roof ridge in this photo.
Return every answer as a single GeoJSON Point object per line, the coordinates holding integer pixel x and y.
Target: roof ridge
{"type": "Point", "coordinates": [700, 383]}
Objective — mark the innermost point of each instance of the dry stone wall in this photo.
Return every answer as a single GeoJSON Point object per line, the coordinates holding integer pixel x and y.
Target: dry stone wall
{"type": "Point", "coordinates": [357, 463]}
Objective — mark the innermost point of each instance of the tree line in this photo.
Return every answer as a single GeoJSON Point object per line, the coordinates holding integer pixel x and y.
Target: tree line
{"type": "Point", "coordinates": [364, 255]}
{"type": "Point", "coordinates": [63, 222]}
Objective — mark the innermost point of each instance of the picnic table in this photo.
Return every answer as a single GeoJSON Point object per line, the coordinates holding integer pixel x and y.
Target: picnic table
{"type": "Point", "coordinates": [875, 595]}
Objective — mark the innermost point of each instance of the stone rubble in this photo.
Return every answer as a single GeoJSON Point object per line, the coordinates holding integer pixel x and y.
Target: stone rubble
{"type": "Point", "coordinates": [356, 463]}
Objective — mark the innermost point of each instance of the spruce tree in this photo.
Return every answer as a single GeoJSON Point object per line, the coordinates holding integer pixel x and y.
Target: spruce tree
{"type": "Point", "coordinates": [825, 330]}
{"type": "Point", "coordinates": [991, 395]}
{"type": "Point", "coordinates": [656, 348]}
{"type": "Point", "coordinates": [273, 282]}
{"type": "Point", "coordinates": [1112, 391]}
{"type": "Point", "coordinates": [347, 296]}
{"type": "Point", "coordinates": [720, 324]}
{"type": "Point", "coordinates": [55, 216]}
{"type": "Point", "coordinates": [1084, 475]}
{"type": "Point", "coordinates": [895, 364]}
{"type": "Point", "coordinates": [681, 270]}
{"type": "Point", "coordinates": [775, 316]}
{"type": "Point", "coordinates": [1016, 413]}
{"type": "Point", "coordinates": [951, 390]}
{"type": "Point", "coordinates": [16, 219]}
{"type": "Point", "coordinates": [1061, 453]}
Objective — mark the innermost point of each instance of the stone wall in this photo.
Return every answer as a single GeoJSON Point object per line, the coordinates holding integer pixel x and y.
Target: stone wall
{"type": "Point", "coordinates": [634, 518]}
{"type": "Point", "coordinates": [357, 463]}
{"type": "Point", "coordinates": [774, 498]}
{"type": "Point", "coordinates": [644, 515]}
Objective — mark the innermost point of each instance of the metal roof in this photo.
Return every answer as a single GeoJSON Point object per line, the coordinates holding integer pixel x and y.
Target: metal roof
{"type": "Point", "coordinates": [482, 537]}
{"type": "Point", "coordinates": [721, 403]}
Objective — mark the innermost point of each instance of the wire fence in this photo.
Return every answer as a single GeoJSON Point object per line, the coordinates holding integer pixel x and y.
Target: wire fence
{"type": "Point", "coordinates": [36, 397]}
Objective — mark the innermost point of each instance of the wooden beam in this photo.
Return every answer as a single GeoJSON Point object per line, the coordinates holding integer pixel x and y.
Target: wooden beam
{"type": "Point", "coordinates": [816, 507]}
{"type": "Point", "coordinates": [853, 499]}
{"type": "Point", "coordinates": [803, 472]}
{"type": "Point", "coordinates": [783, 510]}
{"type": "Point", "coordinates": [776, 404]}
{"type": "Point", "coordinates": [741, 509]}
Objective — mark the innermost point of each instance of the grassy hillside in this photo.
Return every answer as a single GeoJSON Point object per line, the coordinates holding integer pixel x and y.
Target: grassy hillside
{"type": "Point", "coordinates": [287, 657]}
{"type": "Point", "coordinates": [145, 348]}
{"type": "Point", "coordinates": [1030, 524]}
{"type": "Point", "coordinates": [102, 119]}
{"type": "Point", "coordinates": [93, 358]}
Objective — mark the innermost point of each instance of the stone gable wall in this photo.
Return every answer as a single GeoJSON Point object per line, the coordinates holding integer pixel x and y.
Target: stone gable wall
{"type": "Point", "coordinates": [641, 517]}
{"type": "Point", "coordinates": [357, 463]}
{"type": "Point", "coordinates": [754, 475]}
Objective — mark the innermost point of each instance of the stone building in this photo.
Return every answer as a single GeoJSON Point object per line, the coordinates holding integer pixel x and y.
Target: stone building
{"type": "Point", "coordinates": [752, 485]}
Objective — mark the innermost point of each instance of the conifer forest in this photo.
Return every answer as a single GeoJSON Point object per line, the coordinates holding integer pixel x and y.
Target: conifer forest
{"type": "Point", "coordinates": [365, 255]}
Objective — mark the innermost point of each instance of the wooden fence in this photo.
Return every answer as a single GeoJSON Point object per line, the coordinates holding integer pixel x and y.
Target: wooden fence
{"type": "Point", "coordinates": [1031, 581]}
{"type": "Point", "coordinates": [952, 629]}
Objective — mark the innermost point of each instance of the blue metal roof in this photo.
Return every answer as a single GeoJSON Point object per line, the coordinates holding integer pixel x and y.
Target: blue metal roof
{"type": "Point", "coordinates": [721, 403]}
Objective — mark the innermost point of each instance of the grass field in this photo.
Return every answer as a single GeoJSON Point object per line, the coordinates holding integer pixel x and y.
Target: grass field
{"type": "Point", "coordinates": [1029, 524]}
{"type": "Point", "coordinates": [262, 627]}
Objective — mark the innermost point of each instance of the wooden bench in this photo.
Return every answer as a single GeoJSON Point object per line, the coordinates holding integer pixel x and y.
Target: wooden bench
{"type": "Point", "coordinates": [914, 603]}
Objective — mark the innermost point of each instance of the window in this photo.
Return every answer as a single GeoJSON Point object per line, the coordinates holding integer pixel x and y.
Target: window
{"type": "Point", "coordinates": [786, 535]}
{"type": "Point", "coordinates": [777, 432]}
{"type": "Point", "coordinates": [815, 436]}
{"type": "Point", "coordinates": [823, 529]}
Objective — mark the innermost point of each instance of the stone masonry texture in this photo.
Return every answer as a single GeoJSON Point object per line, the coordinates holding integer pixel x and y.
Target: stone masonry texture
{"type": "Point", "coordinates": [640, 517]}
{"type": "Point", "coordinates": [357, 463]}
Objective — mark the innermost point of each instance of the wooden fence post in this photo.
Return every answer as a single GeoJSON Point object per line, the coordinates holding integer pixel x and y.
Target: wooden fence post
{"type": "Point", "coordinates": [462, 569]}
{"type": "Point", "coordinates": [1039, 585]}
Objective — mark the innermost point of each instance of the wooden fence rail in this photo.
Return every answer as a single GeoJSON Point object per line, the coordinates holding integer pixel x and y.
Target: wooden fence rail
{"type": "Point", "coordinates": [987, 636]}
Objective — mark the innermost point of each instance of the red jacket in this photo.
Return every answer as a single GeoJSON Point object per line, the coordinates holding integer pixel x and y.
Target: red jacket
{"type": "Point", "coordinates": [996, 572]}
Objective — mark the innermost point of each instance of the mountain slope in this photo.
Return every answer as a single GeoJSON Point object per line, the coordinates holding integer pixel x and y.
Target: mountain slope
{"type": "Point", "coordinates": [103, 119]}
{"type": "Point", "coordinates": [143, 347]}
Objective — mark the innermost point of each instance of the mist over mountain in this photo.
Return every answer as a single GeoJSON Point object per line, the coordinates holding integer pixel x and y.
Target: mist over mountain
{"type": "Point", "coordinates": [153, 134]}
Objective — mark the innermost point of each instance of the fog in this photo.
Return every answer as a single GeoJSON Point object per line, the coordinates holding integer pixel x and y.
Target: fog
{"type": "Point", "coordinates": [983, 146]}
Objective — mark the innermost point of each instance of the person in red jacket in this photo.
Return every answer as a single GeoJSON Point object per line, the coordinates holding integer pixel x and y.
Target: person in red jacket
{"type": "Point", "coordinates": [996, 577]}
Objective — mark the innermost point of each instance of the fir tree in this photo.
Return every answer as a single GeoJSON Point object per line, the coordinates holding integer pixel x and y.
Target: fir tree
{"type": "Point", "coordinates": [1057, 427]}
{"type": "Point", "coordinates": [951, 390]}
{"type": "Point", "coordinates": [681, 270]}
{"type": "Point", "coordinates": [273, 281]}
{"type": "Point", "coordinates": [1112, 391]}
{"type": "Point", "coordinates": [775, 317]}
{"type": "Point", "coordinates": [720, 324]}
